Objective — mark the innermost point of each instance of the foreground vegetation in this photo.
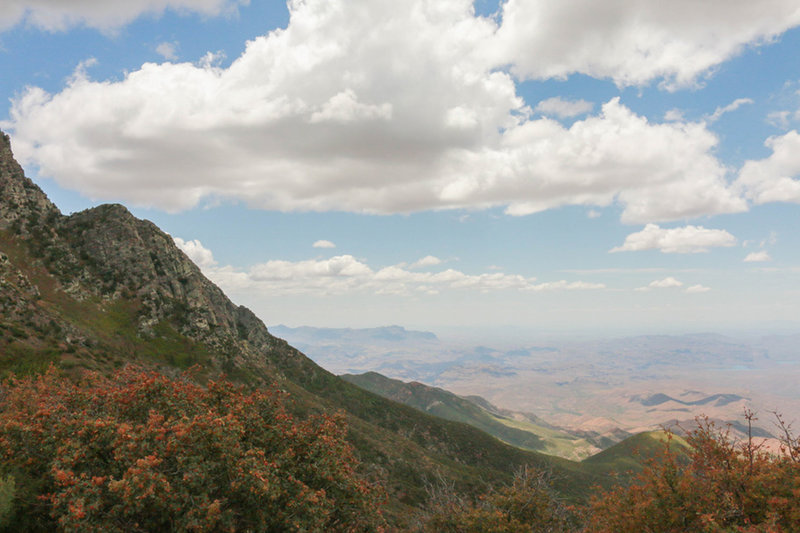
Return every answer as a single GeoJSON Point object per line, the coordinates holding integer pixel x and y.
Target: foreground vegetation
{"type": "Point", "coordinates": [724, 486]}
{"type": "Point", "coordinates": [138, 451]}
{"type": "Point", "coordinates": [719, 486]}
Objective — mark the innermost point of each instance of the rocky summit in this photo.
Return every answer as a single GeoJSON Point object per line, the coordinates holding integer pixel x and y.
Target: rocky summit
{"type": "Point", "coordinates": [105, 254]}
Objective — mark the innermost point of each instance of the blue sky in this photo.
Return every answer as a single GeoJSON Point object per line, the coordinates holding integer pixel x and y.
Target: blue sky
{"type": "Point", "coordinates": [626, 166]}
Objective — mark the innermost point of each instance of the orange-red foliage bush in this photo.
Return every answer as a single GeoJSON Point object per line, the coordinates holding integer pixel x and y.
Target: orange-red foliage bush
{"type": "Point", "coordinates": [723, 487]}
{"type": "Point", "coordinates": [141, 452]}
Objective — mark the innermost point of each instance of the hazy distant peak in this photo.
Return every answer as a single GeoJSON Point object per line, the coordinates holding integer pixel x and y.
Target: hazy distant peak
{"type": "Point", "coordinates": [310, 334]}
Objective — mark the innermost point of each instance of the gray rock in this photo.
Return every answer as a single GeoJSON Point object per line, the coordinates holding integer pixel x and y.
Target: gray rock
{"type": "Point", "coordinates": [106, 254]}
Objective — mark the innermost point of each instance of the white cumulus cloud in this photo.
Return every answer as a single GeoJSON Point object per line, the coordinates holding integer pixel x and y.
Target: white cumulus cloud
{"type": "Point", "coordinates": [347, 274]}
{"type": "Point", "coordinates": [775, 178]}
{"type": "Point", "coordinates": [101, 14]}
{"type": "Point", "coordinates": [635, 41]}
{"type": "Point", "coordinates": [323, 244]}
{"type": "Point", "coordinates": [198, 253]}
{"type": "Point", "coordinates": [757, 257]}
{"type": "Point", "coordinates": [688, 239]}
{"type": "Point", "coordinates": [665, 283]}
{"type": "Point", "coordinates": [314, 117]}
{"type": "Point", "coordinates": [428, 260]}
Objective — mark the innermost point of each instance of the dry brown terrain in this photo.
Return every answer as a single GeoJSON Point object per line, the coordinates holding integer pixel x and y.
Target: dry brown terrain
{"type": "Point", "coordinates": [633, 383]}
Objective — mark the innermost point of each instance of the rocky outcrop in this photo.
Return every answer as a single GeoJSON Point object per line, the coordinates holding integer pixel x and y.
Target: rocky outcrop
{"type": "Point", "coordinates": [23, 205]}
{"type": "Point", "coordinates": [133, 258]}
{"type": "Point", "coordinates": [107, 254]}
{"type": "Point", "coordinates": [17, 293]}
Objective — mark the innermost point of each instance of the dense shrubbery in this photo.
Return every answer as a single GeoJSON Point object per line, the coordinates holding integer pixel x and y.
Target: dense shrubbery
{"type": "Point", "coordinates": [718, 486]}
{"type": "Point", "coordinates": [528, 505]}
{"type": "Point", "coordinates": [141, 452]}
{"type": "Point", "coordinates": [722, 487]}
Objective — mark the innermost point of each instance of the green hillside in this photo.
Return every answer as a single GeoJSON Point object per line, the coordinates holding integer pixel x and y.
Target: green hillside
{"type": "Point", "coordinates": [632, 454]}
{"type": "Point", "coordinates": [518, 431]}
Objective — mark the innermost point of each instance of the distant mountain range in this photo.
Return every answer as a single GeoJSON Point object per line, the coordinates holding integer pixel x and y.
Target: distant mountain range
{"type": "Point", "coordinates": [589, 387]}
{"type": "Point", "coordinates": [389, 334]}
{"type": "Point", "coordinates": [621, 452]}
{"type": "Point", "coordinates": [519, 429]}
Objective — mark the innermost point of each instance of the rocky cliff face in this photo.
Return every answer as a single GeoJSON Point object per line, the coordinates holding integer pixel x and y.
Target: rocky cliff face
{"type": "Point", "coordinates": [105, 255]}
{"type": "Point", "coordinates": [22, 204]}
{"type": "Point", "coordinates": [132, 258]}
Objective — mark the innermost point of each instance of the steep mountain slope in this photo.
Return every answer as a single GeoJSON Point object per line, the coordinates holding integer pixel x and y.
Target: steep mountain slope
{"type": "Point", "coordinates": [100, 288]}
{"type": "Point", "coordinates": [518, 431]}
{"type": "Point", "coordinates": [632, 454]}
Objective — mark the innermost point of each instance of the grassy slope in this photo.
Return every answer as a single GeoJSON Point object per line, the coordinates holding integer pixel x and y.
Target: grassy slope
{"type": "Point", "coordinates": [631, 454]}
{"type": "Point", "coordinates": [616, 463]}
{"type": "Point", "coordinates": [108, 327]}
{"type": "Point", "coordinates": [521, 433]}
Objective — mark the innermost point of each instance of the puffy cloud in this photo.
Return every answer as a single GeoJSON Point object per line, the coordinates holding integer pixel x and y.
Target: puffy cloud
{"type": "Point", "coordinates": [102, 14]}
{"type": "Point", "coordinates": [666, 283]}
{"type": "Point", "coordinates": [775, 178]}
{"type": "Point", "coordinates": [757, 257]}
{"type": "Point", "coordinates": [428, 260]}
{"type": "Point", "coordinates": [198, 253]}
{"type": "Point", "coordinates": [670, 174]}
{"type": "Point", "coordinates": [345, 273]}
{"type": "Point", "coordinates": [323, 244]}
{"type": "Point", "coordinates": [341, 266]}
{"type": "Point", "coordinates": [688, 239]}
{"type": "Point", "coordinates": [696, 289]}
{"type": "Point", "coordinates": [563, 108]}
{"type": "Point", "coordinates": [636, 41]}
{"type": "Point", "coordinates": [630, 41]}
{"type": "Point", "coordinates": [329, 114]}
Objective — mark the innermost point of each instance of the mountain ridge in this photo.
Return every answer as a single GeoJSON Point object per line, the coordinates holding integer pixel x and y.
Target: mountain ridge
{"type": "Point", "coordinates": [517, 429]}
